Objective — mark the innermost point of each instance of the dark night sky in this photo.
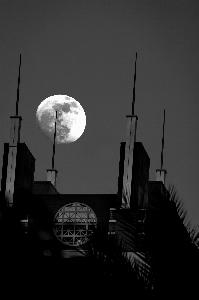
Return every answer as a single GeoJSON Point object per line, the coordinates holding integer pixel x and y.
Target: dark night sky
{"type": "Point", "coordinates": [86, 49]}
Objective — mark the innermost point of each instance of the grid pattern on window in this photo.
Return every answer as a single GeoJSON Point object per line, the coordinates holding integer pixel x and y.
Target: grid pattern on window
{"type": "Point", "coordinates": [74, 223]}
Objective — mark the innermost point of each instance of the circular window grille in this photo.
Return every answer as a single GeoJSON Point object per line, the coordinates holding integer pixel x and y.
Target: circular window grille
{"type": "Point", "coordinates": [74, 223]}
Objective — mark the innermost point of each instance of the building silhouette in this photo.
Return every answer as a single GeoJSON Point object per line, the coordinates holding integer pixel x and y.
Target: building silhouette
{"type": "Point", "coordinates": [62, 223]}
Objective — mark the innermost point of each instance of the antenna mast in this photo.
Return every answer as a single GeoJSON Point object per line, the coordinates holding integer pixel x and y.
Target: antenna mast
{"type": "Point", "coordinates": [54, 142]}
{"type": "Point", "coordinates": [17, 102]}
{"type": "Point", "coordinates": [162, 143]}
{"type": "Point", "coordinates": [133, 103]}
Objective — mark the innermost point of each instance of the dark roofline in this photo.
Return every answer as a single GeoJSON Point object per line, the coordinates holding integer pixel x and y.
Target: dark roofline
{"type": "Point", "coordinates": [47, 183]}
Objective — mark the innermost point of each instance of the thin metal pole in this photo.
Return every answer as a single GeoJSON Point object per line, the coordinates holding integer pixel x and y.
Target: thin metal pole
{"type": "Point", "coordinates": [133, 103]}
{"type": "Point", "coordinates": [54, 142]}
{"type": "Point", "coordinates": [162, 142]}
{"type": "Point", "coordinates": [17, 102]}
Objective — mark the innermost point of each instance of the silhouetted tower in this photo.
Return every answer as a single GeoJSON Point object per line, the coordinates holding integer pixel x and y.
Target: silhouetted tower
{"type": "Point", "coordinates": [52, 173]}
{"type": "Point", "coordinates": [161, 173]}
{"type": "Point", "coordinates": [18, 167]}
{"type": "Point", "coordinates": [129, 146]}
{"type": "Point", "coordinates": [12, 154]}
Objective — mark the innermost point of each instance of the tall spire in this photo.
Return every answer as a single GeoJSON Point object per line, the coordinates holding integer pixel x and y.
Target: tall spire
{"type": "Point", "coordinates": [13, 149]}
{"type": "Point", "coordinates": [162, 142]}
{"type": "Point", "coordinates": [52, 173]}
{"type": "Point", "coordinates": [17, 102]}
{"type": "Point", "coordinates": [161, 173]}
{"type": "Point", "coordinates": [54, 141]}
{"type": "Point", "coordinates": [129, 147]}
{"type": "Point", "coordinates": [133, 103]}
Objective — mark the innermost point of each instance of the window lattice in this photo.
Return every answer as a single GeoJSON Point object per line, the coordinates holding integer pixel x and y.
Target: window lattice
{"type": "Point", "coordinates": [74, 223]}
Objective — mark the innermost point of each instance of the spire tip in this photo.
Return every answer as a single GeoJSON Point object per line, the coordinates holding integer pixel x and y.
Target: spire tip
{"type": "Point", "coordinates": [17, 102]}
{"type": "Point", "coordinates": [162, 142]}
{"type": "Point", "coordinates": [54, 141]}
{"type": "Point", "coordinates": [133, 103]}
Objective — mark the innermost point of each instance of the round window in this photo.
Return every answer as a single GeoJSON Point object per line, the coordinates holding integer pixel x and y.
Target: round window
{"type": "Point", "coordinates": [74, 223]}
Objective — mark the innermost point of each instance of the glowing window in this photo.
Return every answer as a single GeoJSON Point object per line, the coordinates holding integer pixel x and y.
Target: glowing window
{"type": "Point", "coordinates": [74, 223]}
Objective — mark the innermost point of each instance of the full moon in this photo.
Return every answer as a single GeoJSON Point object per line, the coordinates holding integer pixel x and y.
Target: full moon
{"type": "Point", "coordinates": [70, 122]}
